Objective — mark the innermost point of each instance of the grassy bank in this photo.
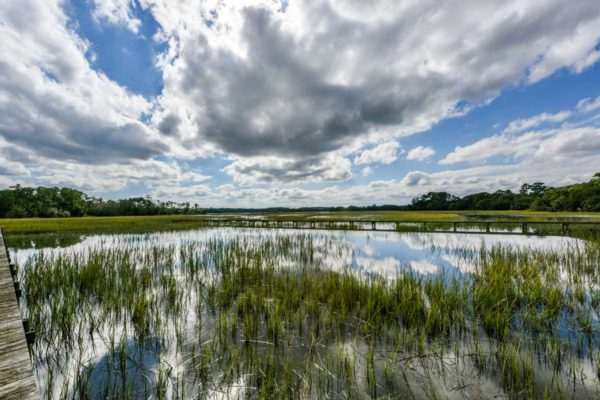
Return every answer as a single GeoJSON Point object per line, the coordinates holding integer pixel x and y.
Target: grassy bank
{"type": "Point", "coordinates": [97, 224]}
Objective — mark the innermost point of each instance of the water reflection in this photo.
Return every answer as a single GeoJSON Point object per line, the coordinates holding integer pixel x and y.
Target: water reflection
{"type": "Point", "coordinates": [370, 253]}
{"type": "Point", "coordinates": [153, 320]}
{"type": "Point", "coordinates": [42, 240]}
{"type": "Point", "coordinates": [132, 366]}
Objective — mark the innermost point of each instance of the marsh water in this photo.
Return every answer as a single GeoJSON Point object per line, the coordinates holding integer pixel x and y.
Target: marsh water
{"type": "Point", "coordinates": [264, 313]}
{"type": "Point", "coordinates": [380, 253]}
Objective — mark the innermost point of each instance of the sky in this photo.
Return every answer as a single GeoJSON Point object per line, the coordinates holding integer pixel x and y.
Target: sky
{"type": "Point", "coordinates": [257, 103]}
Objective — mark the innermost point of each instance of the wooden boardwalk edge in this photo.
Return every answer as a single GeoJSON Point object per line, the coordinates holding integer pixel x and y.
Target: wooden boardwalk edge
{"type": "Point", "coordinates": [17, 381]}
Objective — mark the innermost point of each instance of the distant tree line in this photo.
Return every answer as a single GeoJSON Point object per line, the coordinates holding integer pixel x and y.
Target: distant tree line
{"type": "Point", "coordinates": [537, 196]}
{"type": "Point", "coordinates": [20, 202]}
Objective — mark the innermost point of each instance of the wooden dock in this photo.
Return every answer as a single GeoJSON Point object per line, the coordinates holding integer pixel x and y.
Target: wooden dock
{"type": "Point", "coordinates": [474, 227]}
{"type": "Point", "coordinates": [17, 381]}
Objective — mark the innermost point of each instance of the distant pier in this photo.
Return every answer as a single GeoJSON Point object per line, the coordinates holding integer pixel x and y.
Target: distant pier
{"type": "Point", "coordinates": [441, 226]}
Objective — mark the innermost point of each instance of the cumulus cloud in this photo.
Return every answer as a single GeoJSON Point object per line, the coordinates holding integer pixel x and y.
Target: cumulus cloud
{"type": "Point", "coordinates": [576, 51]}
{"type": "Point", "coordinates": [385, 153]}
{"type": "Point", "coordinates": [366, 171]}
{"type": "Point", "coordinates": [259, 170]}
{"type": "Point", "coordinates": [381, 184]}
{"type": "Point", "coordinates": [549, 144]}
{"type": "Point", "coordinates": [116, 12]}
{"type": "Point", "coordinates": [416, 178]}
{"type": "Point", "coordinates": [521, 141]}
{"type": "Point", "coordinates": [54, 103]}
{"type": "Point", "coordinates": [565, 144]}
{"type": "Point", "coordinates": [497, 145]}
{"type": "Point", "coordinates": [576, 168]}
{"type": "Point", "coordinates": [112, 177]}
{"type": "Point", "coordinates": [12, 169]}
{"type": "Point", "coordinates": [420, 153]}
{"type": "Point", "coordinates": [288, 92]}
{"type": "Point", "coordinates": [302, 78]}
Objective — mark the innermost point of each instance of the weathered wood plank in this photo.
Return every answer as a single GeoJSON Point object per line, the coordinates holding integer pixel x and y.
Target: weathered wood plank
{"type": "Point", "coordinates": [17, 381]}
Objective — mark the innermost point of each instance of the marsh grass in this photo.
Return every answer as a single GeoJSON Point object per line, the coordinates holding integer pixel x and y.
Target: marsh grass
{"type": "Point", "coordinates": [266, 317]}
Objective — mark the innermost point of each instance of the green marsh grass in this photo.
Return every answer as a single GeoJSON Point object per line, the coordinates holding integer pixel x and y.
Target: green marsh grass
{"type": "Point", "coordinates": [265, 317]}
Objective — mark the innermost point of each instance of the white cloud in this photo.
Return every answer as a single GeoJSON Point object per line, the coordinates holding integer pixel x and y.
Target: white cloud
{"type": "Point", "coordinates": [416, 178]}
{"type": "Point", "coordinates": [263, 170]}
{"type": "Point", "coordinates": [113, 177]}
{"type": "Point", "coordinates": [53, 103]}
{"type": "Point", "coordinates": [289, 93]}
{"type": "Point", "coordinates": [576, 167]}
{"type": "Point", "coordinates": [550, 144]}
{"type": "Point", "coordinates": [420, 153]}
{"type": "Point", "coordinates": [381, 184]}
{"type": "Point", "coordinates": [366, 171]}
{"type": "Point", "coordinates": [497, 145]}
{"type": "Point", "coordinates": [117, 12]}
{"type": "Point", "coordinates": [13, 161]}
{"type": "Point", "coordinates": [520, 141]}
{"type": "Point", "coordinates": [565, 144]}
{"type": "Point", "coordinates": [588, 105]}
{"type": "Point", "coordinates": [520, 125]}
{"type": "Point", "coordinates": [272, 79]}
{"type": "Point", "coordinates": [576, 51]}
{"type": "Point", "coordinates": [385, 153]}
{"type": "Point", "coordinates": [13, 169]}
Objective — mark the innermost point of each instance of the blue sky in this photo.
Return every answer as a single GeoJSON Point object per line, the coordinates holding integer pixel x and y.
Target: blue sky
{"type": "Point", "coordinates": [124, 56]}
{"type": "Point", "coordinates": [250, 104]}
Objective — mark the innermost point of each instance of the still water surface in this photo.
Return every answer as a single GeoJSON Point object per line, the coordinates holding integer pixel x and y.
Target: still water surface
{"type": "Point", "coordinates": [380, 253]}
{"type": "Point", "coordinates": [367, 254]}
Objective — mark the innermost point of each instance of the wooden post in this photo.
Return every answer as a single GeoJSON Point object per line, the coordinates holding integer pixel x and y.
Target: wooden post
{"type": "Point", "coordinates": [524, 228]}
{"type": "Point", "coordinates": [487, 227]}
{"type": "Point", "coordinates": [373, 225]}
{"type": "Point", "coordinates": [454, 226]}
{"type": "Point", "coordinates": [29, 334]}
{"type": "Point", "coordinates": [18, 291]}
{"type": "Point", "coordinates": [565, 228]}
{"type": "Point", "coordinates": [397, 226]}
{"type": "Point", "coordinates": [30, 337]}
